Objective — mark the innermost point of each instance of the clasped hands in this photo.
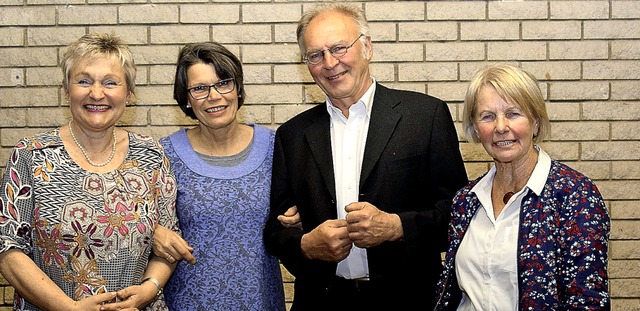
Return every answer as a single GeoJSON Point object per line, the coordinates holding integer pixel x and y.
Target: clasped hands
{"type": "Point", "coordinates": [364, 226]}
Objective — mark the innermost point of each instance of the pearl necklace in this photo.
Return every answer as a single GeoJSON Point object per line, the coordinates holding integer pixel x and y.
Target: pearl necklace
{"type": "Point", "coordinates": [84, 152]}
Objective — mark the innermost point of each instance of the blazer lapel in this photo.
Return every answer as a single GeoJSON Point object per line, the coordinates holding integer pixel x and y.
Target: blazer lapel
{"type": "Point", "coordinates": [381, 126]}
{"type": "Point", "coordinates": [318, 137]}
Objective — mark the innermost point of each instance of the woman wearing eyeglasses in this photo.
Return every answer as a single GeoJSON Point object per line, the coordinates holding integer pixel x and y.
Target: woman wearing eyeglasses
{"type": "Point", "coordinates": [223, 170]}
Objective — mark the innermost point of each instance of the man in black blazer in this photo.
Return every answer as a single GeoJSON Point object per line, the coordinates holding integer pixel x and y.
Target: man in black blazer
{"type": "Point", "coordinates": [372, 173]}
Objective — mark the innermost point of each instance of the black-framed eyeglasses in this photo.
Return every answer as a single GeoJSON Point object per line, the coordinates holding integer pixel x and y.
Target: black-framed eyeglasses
{"type": "Point", "coordinates": [222, 87]}
{"type": "Point", "coordinates": [337, 51]}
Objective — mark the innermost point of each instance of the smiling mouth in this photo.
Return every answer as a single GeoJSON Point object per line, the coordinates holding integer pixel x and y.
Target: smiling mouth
{"type": "Point", "coordinates": [336, 76]}
{"type": "Point", "coordinates": [97, 107]}
{"type": "Point", "coordinates": [504, 143]}
{"type": "Point", "coordinates": [216, 109]}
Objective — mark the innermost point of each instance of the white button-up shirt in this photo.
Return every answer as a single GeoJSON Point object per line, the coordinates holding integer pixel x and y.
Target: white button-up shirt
{"type": "Point", "coordinates": [348, 137]}
{"type": "Point", "coordinates": [486, 262]}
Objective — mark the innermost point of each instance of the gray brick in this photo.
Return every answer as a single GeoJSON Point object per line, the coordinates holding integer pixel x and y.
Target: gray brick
{"type": "Point", "coordinates": [563, 111]}
{"type": "Point", "coordinates": [383, 72]}
{"type": "Point", "coordinates": [562, 151]}
{"type": "Point", "coordinates": [28, 56]}
{"type": "Point", "coordinates": [579, 9]}
{"type": "Point", "coordinates": [155, 54]}
{"type": "Point", "coordinates": [286, 112]}
{"type": "Point", "coordinates": [578, 50]}
{"type": "Point", "coordinates": [428, 31]}
{"type": "Point", "coordinates": [611, 110]}
{"type": "Point", "coordinates": [456, 10]}
{"type": "Point", "coordinates": [148, 13]}
{"type": "Point", "coordinates": [242, 34]}
{"type": "Point", "coordinates": [181, 34]}
{"type": "Point", "coordinates": [155, 95]}
{"type": "Point", "coordinates": [625, 49]}
{"type": "Point", "coordinates": [400, 11]}
{"type": "Point", "coordinates": [291, 73]}
{"type": "Point", "coordinates": [625, 9]}
{"type": "Point", "coordinates": [11, 36]}
{"type": "Point", "coordinates": [44, 76]}
{"type": "Point", "coordinates": [576, 131]}
{"type": "Point", "coordinates": [385, 52]}
{"type": "Point", "coordinates": [447, 91]}
{"type": "Point", "coordinates": [285, 33]}
{"type": "Point", "coordinates": [277, 93]}
{"type": "Point", "coordinates": [490, 30]}
{"type": "Point", "coordinates": [260, 114]}
{"type": "Point", "coordinates": [612, 29]}
{"type": "Point", "coordinates": [625, 90]}
{"type": "Point", "coordinates": [274, 13]}
{"type": "Point", "coordinates": [47, 116]}
{"type": "Point", "coordinates": [518, 10]}
{"type": "Point", "coordinates": [271, 53]}
{"type": "Point", "coordinates": [551, 30]}
{"type": "Point", "coordinates": [626, 170]}
{"type": "Point", "coordinates": [611, 150]}
{"type": "Point", "coordinates": [261, 74]}
{"type": "Point", "coordinates": [560, 70]}
{"type": "Point", "coordinates": [210, 13]}
{"type": "Point", "coordinates": [162, 74]}
{"type": "Point", "coordinates": [87, 15]}
{"type": "Point", "coordinates": [53, 36]}
{"type": "Point", "coordinates": [625, 130]}
{"type": "Point", "coordinates": [28, 16]}
{"type": "Point", "coordinates": [28, 97]}
{"type": "Point", "coordinates": [516, 50]}
{"type": "Point", "coordinates": [381, 32]}
{"type": "Point", "coordinates": [427, 72]}
{"type": "Point", "coordinates": [454, 51]}
{"type": "Point", "coordinates": [612, 70]}
{"type": "Point", "coordinates": [13, 117]}
{"type": "Point", "coordinates": [578, 90]}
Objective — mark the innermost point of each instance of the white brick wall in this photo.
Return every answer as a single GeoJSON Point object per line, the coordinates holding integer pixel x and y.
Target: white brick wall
{"type": "Point", "coordinates": [586, 55]}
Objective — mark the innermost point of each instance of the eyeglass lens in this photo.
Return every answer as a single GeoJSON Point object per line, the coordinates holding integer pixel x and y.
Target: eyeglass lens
{"type": "Point", "coordinates": [222, 87]}
{"type": "Point", "coordinates": [336, 51]}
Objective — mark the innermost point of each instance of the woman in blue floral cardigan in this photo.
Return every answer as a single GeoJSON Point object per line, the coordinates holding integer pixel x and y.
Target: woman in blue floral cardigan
{"type": "Point", "coordinates": [532, 233]}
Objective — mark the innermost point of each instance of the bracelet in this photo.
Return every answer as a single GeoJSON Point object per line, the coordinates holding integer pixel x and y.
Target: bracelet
{"type": "Point", "coordinates": [156, 283]}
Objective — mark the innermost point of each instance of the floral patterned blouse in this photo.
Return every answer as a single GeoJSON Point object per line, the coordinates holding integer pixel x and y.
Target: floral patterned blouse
{"type": "Point", "coordinates": [562, 245]}
{"type": "Point", "coordinates": [89, 232]}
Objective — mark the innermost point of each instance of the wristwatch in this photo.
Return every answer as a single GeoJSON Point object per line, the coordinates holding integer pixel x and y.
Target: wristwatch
{"type": "Point", "coordinates": [156, 283]}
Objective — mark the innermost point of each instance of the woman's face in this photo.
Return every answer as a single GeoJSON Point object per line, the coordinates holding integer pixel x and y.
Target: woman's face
{"type": "Point", "coordinates": [216, 110]}
{"type": "Point", "coordinates": [505, 132]}
{"type": "Point", "coordinates": [97, 93]}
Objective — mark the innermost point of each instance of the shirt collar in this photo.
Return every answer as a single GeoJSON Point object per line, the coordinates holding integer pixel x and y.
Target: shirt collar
{"type": "Point", "coordinates": [536, 181]}
{"type": "Point", "coordinates": [367, 99]}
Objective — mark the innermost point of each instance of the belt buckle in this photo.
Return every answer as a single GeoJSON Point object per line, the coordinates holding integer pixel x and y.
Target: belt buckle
{"type": "Point", "coordinates": [359, 282]}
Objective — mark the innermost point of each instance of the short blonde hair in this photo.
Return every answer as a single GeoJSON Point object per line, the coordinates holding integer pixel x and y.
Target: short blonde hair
{"type": "Point", "coordinates": [515, 86]}
{"type": "Point", "coordinates": [93, 45]}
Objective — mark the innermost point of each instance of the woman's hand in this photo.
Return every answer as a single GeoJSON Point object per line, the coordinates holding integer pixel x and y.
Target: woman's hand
{"type": "Point", "coordinates": [133, 297]}
{"type": "Point", "coordinates": [291, 218]}
{"type": "Point", "coordinates": [169, 245]}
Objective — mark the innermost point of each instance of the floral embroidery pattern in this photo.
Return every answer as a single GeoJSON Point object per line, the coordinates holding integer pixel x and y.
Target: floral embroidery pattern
{"type": "Point", "coordinates": [562, 245]}
{"type": "Point", "coordinates": [89, 232]}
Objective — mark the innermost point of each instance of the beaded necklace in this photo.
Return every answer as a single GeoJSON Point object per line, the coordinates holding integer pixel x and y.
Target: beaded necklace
{"type": "Point", "coordinates": [84, 152]}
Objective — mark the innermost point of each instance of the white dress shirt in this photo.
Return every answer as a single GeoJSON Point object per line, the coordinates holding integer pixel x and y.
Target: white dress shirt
{"type": "Point", "coordinates": [486, 262]}
{"type": "Point", "coordinates": [348, 137]}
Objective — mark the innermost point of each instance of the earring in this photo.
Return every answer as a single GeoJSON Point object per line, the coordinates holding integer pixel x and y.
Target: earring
{"type": "Point", "coordinates": [240, 96]}
{"type": "Point", "coordinates": [188, 105]}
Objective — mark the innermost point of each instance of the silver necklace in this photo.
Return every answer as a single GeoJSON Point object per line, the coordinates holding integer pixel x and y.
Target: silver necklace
{"type": "Point", "coordinates": [84, 152]}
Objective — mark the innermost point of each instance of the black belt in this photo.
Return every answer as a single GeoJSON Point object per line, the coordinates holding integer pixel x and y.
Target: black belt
{"type": "Point", "coordinates": [361, 284]}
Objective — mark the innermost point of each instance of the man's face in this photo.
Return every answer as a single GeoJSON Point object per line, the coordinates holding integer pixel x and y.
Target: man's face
{"type": "Point", "coordinates": [344, 79]}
